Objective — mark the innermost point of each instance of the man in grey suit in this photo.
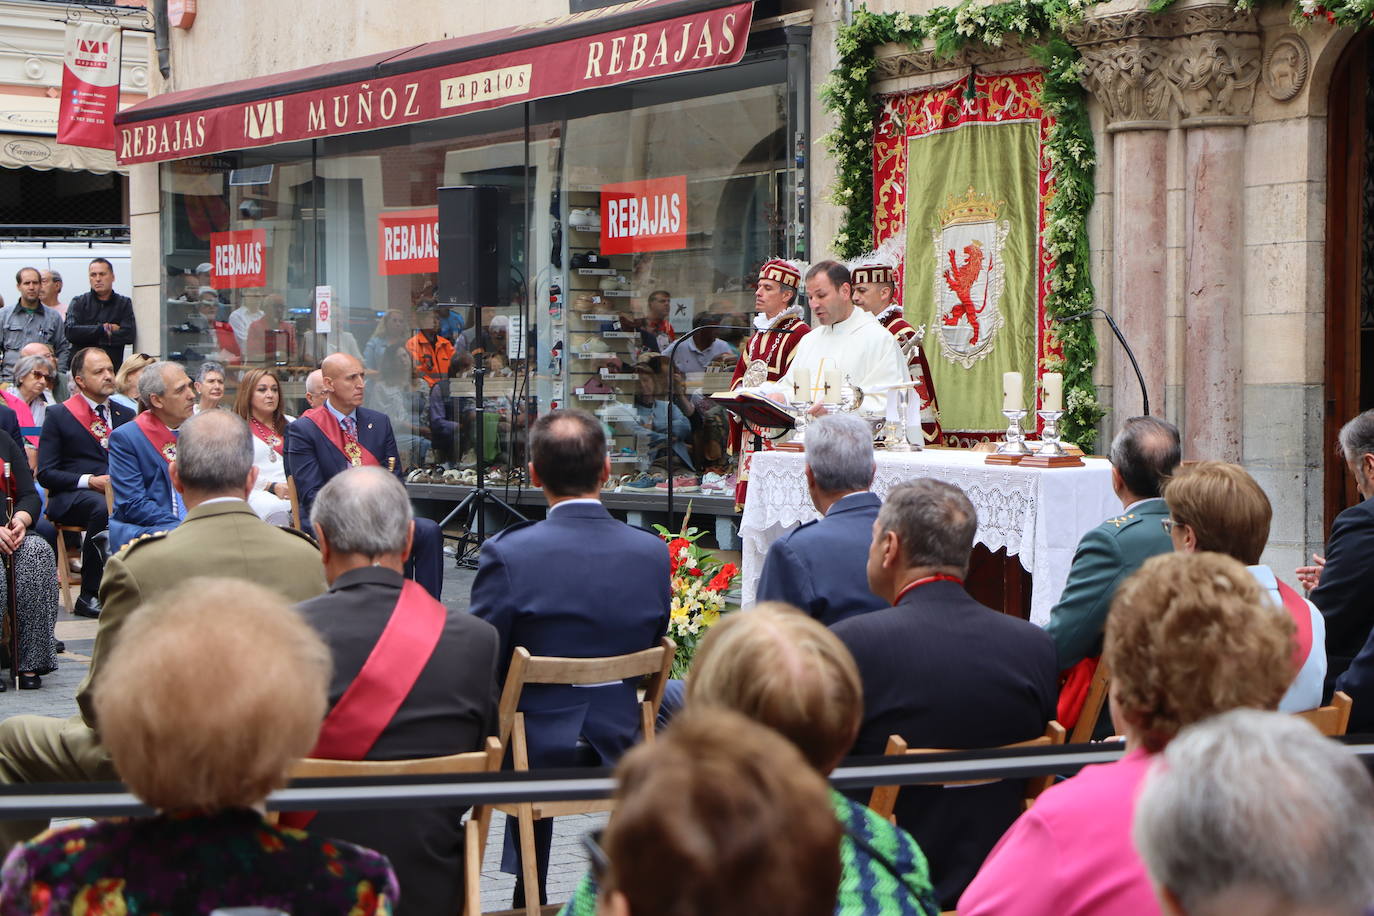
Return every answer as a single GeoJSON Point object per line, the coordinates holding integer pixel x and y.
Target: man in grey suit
{"type": "Point", "coordinates": [820, 566]}
{"type": "Point", "coordinates": [365, 527]}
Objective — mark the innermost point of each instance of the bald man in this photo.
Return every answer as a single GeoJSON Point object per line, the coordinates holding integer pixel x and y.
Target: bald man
{"type": "Point", "coordinates": [339, 434]}
{"type": "Point", "coordinates": [314, 388]}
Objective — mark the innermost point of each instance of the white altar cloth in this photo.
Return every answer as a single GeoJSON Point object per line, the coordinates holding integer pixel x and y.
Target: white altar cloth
{"type": "Point", "coordinates": [1038, 515]}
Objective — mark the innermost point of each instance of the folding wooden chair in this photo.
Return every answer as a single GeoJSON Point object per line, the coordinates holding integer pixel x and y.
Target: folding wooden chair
{"type": "Point", "coordinates": [884, 798]}
{"type": "Point", "coordinates": [1092, 705]}
{"type": "Point", "coordinates": [65, 578]}
{"type": "Point", "coordinates": [525, 669]}
{"type": "Point", "coordinates": [1332, 720]}
{"type": "Point", "coordinates": [487, 760]}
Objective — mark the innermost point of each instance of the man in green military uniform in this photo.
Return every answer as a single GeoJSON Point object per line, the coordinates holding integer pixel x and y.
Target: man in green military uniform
{"type": "Point", "coordinates": [1143, 455]}
{"type": "Point", "coordinates": [220, 536]}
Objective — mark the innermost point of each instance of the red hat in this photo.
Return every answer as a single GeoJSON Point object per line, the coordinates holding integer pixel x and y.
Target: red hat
{"type": "Point", "coordinates": [784, 272]}
{"type": "Point", "coordinates": [874, 272]}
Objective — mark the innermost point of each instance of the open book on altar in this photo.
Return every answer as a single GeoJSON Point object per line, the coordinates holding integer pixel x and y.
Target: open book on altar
{"type": "Point", "coordinates": [755, 408]}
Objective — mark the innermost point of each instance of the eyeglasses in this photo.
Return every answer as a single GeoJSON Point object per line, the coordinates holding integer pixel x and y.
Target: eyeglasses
{"type": "Point", "coordinates": [43, 375]}
{"type": "Point", "coordinates": [596, 856]}
{"type": "Point", "coordinates": [1168, 524]}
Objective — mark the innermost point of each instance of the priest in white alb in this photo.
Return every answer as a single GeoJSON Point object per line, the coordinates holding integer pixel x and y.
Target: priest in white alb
{"type": "Point", "coordinates": [846, 343]}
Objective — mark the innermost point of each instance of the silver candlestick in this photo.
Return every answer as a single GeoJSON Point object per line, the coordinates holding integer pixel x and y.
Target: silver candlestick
{"type": "Point", "coordinates": [901, 443]}
{"type": "Point", "coordinates": [1050, 434]}
{"type": "Point", "coordinates": [1016, 436]}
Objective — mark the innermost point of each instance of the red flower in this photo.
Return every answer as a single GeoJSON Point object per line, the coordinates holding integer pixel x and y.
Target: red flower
{"type": "Point", "coordinates": [695, 571]}
{"type": "Point", "coordinates": [675, 548]}
{"type": "Point", "coordinates": [721, 581]}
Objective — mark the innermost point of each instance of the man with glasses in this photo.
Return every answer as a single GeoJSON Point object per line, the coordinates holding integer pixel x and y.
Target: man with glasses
{"type": "Point", "coordinates": [29, 320]}
{"type": "Point", "coordinates": [1144, 455]}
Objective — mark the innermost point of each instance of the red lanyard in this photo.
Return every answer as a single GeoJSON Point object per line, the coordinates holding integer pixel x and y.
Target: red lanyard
{"type": "Point", "coordinates": [926, 581]}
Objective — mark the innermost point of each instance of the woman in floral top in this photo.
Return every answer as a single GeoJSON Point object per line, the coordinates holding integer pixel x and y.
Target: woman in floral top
{"type": "Point", "coordinates": [193, 673]}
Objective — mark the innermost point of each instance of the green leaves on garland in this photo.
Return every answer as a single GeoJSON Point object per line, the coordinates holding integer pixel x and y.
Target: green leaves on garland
{"type": "Point", "coordinates": [846, 95]}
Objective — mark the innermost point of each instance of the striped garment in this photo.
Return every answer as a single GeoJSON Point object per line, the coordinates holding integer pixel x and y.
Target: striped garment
{"type": "Point", "coordinates": [884, 872]}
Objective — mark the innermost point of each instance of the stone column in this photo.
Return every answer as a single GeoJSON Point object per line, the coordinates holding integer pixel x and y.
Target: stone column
{"type": "Point", "coordinates": [1216, 66]}
{"type": "Point", "coordinates": [1124, 56]}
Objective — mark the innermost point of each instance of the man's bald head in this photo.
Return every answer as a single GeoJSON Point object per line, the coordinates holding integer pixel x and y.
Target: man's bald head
{"type": "Point", "coordinates": [344, 381]}
{"type": "Point", "coordinates": [214, 455]}
{"type": "Point", "coordinates": [314, 388]}
{"type": "Point", "coordinates": [36, 348]}
{"type": "Point", "coordinates": [1145, 454]}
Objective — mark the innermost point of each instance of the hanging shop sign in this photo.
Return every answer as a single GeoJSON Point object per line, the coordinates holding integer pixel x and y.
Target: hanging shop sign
{"type": "Point", "coordinates": [408, 242]}
{"type": "Point", "coordinates": [238, 259]}
{"type": "Point", "coordinates": [648, 215]}
{"type": "Point", "coordinates": [414, 85]}
{"type": "Point", "coordinates": [90, 86]}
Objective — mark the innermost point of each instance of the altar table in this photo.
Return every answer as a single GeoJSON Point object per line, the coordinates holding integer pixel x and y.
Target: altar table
{"type": "Point", "coordinates": [1037, 515]}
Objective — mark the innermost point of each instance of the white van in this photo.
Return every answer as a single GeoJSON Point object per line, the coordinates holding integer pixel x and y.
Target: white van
{"type": "Point", "coordinates": [70, 259]}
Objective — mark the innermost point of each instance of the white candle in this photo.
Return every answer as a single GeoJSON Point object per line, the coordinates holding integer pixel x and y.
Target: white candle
{"type": "Point", "coordinates": [832, 386]}
{"type": "Point", "coordinates": [1051, 391]}
{"type": "Point", "coordinates": [894, 414]}
{"type": "Point", "coordinates": [801, 383]}
{"type": "Point", "coordinates": [1011, 391]}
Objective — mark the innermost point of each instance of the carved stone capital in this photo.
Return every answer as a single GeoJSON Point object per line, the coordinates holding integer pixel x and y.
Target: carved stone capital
{"type": "Point", "coordinates": [1198, 66]}
{"type": "Point", "coordinates": [896, 61]}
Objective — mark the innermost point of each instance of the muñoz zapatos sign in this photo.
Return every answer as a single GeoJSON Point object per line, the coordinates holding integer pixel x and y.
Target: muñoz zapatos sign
{"type": "Point", "coordinates": [90, 86]}
{"type": "Point", "coordinates": [646, 215]}
{"type": "Point", "coordinates": [238, 259]}
{"type": "Point", "coordinates": [408, 242]}
{"type": "Point", "coordinates": [682, 44]}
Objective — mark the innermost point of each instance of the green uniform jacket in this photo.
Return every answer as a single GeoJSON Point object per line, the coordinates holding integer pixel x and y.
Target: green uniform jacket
{"type": "Point", "coordinates": [1105, 557]}
{"type": "Point", "coordinates": [215, 539]}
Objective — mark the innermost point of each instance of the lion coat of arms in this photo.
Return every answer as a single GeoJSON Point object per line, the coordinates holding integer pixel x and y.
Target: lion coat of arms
{"type": "Point", "coordinates": [969, 276]}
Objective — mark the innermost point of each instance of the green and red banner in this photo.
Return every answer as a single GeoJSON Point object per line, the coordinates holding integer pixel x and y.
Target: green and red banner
{"type": "Point", "coordinates": [960, 172]}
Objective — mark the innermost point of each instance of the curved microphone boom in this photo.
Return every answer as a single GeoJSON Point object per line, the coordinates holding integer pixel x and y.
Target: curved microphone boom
{"type": "Point", "coordinates": [1130, 354]}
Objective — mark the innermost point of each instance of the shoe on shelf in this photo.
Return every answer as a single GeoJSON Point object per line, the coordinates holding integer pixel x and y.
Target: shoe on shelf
{"type": "Point", "coordinates": [30, 682]}
{"type": "Point", "coordinates": [683, 483]}
{"type": "Point", "coordinates": [711, 482]}
{"type": "Point", "coordinates": [87, 607]}
{"type": "Point", "coordinates": [642, 482]}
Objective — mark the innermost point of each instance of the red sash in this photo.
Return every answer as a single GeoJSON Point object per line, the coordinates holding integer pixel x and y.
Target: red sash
{"type": "Point", "coordinates": [163, 439]}
{"type": "Point", "coordinates": [1073, 690]}
{"type": "Point", "coordinates": [79, 408]}
{"type": "Point", "coordinates": [268, 437]}
{"type": "Point", "coordinates": [382, 685]}
{"type": "Point", "coordinates": [1297, 608]}
{"type": "Point", "coordinates": [328, 425]}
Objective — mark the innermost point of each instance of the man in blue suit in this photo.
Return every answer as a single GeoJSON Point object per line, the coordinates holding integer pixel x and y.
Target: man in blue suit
{"type": "Point", "coordinates": [73, 463]}
{"type": "Point", "coordinates": [821, 566]}
{"type": "Point", "coordinates": [142, 452]}
{"type": "Point", "coordinates": [580, 583]}
{"type": "Point", "coordinates": [340, 434]}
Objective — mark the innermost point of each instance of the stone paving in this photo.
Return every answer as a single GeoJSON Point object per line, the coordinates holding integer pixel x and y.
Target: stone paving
{"type": "Point", "coordinates": [567, 860]}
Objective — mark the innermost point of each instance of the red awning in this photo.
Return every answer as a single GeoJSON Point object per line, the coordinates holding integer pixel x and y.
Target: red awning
{"type": "Point", "coordinates": [619, 44]}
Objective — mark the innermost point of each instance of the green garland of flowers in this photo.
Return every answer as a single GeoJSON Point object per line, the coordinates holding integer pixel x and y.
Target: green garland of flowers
{"type": "Point", "coordinates": [1070, 146]}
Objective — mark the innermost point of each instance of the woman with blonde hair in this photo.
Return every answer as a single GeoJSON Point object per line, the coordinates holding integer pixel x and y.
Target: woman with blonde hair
{"type": "Point", "coordinates": [782, 669]}
{"type": "Point", "coordinates": [126, 380]}
{"type": "Point", "coordinates": [1189, 635]}
{"type": "Point", "coordinates": [195, 673]}
{"type": "Point", "coordinates": [259, 402]}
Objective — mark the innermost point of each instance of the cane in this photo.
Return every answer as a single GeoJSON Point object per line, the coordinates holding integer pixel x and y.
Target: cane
{"type": "Point", "coordinates": [12, 590]}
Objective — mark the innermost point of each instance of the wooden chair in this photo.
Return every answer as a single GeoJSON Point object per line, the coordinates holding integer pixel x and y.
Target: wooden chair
{"type": "Point", "coordinates": [1332, 720]}
{"type": "Point", "coordinates": [295, 503]}
{"type": "Point", "coordinates": [487, 760]}
{"type": "Point", "coordinates": [1092, 705]}
{"type": "Point", "coordinates": [525, 669]}
{"type": "Point", "coordinates": [884, 798]}
{"type": "Point", "coordinates": [65, 578]}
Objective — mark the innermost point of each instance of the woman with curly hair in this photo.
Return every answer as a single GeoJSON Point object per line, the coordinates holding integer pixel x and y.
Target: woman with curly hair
{"type": "Point", "coordinates": [1188, 636]}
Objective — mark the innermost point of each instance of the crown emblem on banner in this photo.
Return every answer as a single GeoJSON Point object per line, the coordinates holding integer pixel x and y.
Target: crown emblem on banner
{"type": "Point", "coordinates": [971, 208]}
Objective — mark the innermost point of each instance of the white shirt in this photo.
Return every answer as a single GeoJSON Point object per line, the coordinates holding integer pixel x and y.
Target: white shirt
{"type": "Point", "coordinates": [581, 500]}
{"type": "Point", "coordinates": [859, 347]}
{"type": "Point", "coordinates": [239, 319]}
{"type": "Point", "coordinates": [84, 481]}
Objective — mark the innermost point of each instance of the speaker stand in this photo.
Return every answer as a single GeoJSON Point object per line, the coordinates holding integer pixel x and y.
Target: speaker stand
{"type": "Point", "coordinates": [473, 506]}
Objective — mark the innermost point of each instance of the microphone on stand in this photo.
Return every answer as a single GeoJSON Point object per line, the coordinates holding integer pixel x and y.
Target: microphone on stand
{"type": "Point", "coordinates": [1130, 354]}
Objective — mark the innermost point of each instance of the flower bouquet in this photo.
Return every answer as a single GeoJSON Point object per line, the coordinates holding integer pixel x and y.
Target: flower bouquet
{"type": "Point", "coordinates": [699, 583]}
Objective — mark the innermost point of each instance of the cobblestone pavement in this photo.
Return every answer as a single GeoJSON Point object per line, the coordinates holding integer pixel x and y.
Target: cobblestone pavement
{"type": "Point", "coordinates": [57, 697]}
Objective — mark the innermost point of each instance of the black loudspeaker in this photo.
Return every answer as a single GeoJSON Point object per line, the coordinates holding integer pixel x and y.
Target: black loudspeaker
{"type": "Point", "coordinates": [474, 245]}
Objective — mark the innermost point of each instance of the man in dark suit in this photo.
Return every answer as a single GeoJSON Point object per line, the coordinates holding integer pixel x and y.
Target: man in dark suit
{"type": "Point", "coordinates": [341, 433]}
{"type": "Point", "coordinates": [363, 521]}
{"type": "Point", "coordinates": [1343, 581]}
{"type": "Point", "coordinates": [580, 583]}
{"type": "Point", "coordinates": [220, 536]}
{"type": "Point", "coordinates": [141, 456]}
{"type": "Point", "coordinates": [102, 317]}
{"type": "Point", "coordinates": [821, 566]}
{"type": "Point", "coordinates": [73, 463]}
{"type": "Point", "coordinates": [942, 670]}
